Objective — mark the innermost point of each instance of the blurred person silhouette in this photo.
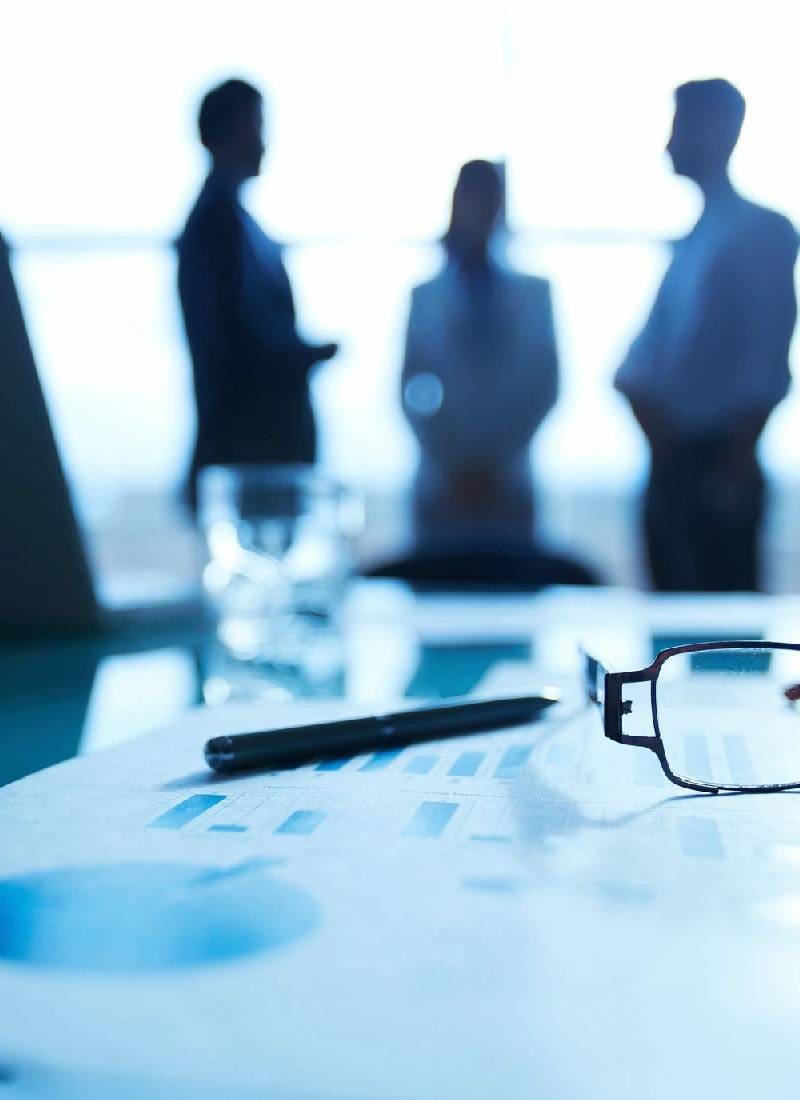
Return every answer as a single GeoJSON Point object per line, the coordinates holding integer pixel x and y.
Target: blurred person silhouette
{"type": "Point", "coordinates": [711, 363]}
{"type": "Point", "coordinates": [250, 366]}
{"type": "Point", "coordinates": [480, 374]}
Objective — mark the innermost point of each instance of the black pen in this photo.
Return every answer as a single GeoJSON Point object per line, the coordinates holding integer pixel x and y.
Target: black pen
{"type": "Point", "coordinates": [287, 748]}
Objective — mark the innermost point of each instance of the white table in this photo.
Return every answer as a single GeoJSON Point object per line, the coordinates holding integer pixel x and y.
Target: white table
{"type": "Point", "coordinates": [562, 923]}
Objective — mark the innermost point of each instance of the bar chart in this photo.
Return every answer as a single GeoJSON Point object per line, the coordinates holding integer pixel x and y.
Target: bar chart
{"type": "Point", "coordinates": [417, 792]}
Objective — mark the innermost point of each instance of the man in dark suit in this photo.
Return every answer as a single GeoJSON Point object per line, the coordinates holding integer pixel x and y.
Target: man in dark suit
{"type": "Point", "coordinates": [250, 366]}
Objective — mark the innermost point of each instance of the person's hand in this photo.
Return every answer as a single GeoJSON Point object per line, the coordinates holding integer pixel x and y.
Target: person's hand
{"type": "Point", "coordinates": [326, 352]}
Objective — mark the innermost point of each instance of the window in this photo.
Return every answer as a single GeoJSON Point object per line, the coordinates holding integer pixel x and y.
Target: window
{"type": "Point", "coordinates": [372, 108]}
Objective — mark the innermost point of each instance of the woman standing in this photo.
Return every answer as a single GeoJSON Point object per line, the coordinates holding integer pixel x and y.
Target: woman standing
{"type": "Point", "coordinates": [480, 374]}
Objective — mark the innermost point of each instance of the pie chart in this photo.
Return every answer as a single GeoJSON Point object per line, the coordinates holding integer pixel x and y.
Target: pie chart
{"type": "Point", "coordinates": [133, 917]}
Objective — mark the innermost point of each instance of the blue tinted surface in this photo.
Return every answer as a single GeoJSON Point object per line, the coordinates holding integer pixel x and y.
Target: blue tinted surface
{"type": "Point", "coordinates": [699, 837]}
{"type": "Point", "coordinates": [135, 917]}
{"type": "Point", "coordinates": [430, 819]}
{"type": "Point", "coordinates": [46, 686]}
{"type": "Point", "coordinates": [186, 811]}
{"type": "Point", "coordinates": [495, 884]}
{"type": "Point", "coordinates": [228, 829]}
{"type": "Point", "coordinates": [447, 669]}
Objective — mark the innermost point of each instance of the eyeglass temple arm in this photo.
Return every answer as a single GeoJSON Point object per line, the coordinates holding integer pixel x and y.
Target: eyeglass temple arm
{"type": "Point", "coordinates": [593, 674]}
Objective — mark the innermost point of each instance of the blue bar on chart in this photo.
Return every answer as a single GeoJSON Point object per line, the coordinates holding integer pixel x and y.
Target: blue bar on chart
{"type": "Point", "coordinates": [562, 756]}
{"type": "Point", "coordinates": [380, 760]}
{"type": "Point", "coordinates": [740, 763]}
{"type": "Point", "coordinates": [333, 765]}
{"type": "Point", "coordinates": [698, 762]}
{"type": "Point", "coordinates": [467, 763]}
{"type": "Point", "coordinates": [421, 765]}
{"type": "Point", "coordinates": [301, 822]}
{"type": "Point", "coordinates": [512, 762]}
{"type": "Point", "coordinates": [646, 769]}
{"type": "Point", "coordinates": [186, 811]}
{"type": "Point", "coordinates": [227, 829]}
{"type": "Point", "coordinates": [430, 819]}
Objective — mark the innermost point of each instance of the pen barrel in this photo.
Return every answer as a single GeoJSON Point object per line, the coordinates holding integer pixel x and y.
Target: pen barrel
{"type": "Point", "coordinates": [301, 744]}
{"type": "Point", "coordinates": [291, 747]}
{"type": "Point", "coordinates": [465, 718]}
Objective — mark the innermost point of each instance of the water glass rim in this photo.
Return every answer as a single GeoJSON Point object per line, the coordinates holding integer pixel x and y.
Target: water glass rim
{"type": "Point", "coordinates": [268, 475]}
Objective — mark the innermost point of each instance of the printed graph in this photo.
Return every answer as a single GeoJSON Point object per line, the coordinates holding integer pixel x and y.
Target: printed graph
{"type": "Point", "coordinates": [416, 792]}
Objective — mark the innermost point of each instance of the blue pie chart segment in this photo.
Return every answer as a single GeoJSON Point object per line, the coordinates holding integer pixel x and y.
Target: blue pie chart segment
{"type": "Point", "coordinates": [149, 916]}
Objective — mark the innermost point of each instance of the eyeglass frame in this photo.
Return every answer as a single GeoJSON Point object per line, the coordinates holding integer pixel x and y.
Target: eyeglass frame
{"type": "Point", "coordinates": [615, 708]}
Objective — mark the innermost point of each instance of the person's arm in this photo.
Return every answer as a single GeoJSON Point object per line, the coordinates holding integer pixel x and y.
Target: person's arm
{"type": "Point", "coordinates": [766, 310]}
{"type": "Point", "coordinates": [255, 336]}
{"type": "Point", "coordinates": [548, 380]}
{"type": "Point", "coordinates": [531, 390]}
{"type": "Point", "coordinates": [475, 439]}
{"type": "Point", "coordinates": [448, 434]}
{"type": "Point", "coordinates": [763, 308]}
{"type": "Point", "coordinates": [411, 365]}
{"type": "Point", "coordinates": [422, 393]}
{"type": "Point", "coordinates": [634, 379]}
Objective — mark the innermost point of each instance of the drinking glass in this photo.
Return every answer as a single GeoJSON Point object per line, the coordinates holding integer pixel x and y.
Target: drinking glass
{"type": "Point", "coordinates": [281, 544]}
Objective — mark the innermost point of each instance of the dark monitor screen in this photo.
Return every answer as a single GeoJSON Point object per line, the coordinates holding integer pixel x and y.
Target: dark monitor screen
{"type": "Point", "coordinates": [45, 579]}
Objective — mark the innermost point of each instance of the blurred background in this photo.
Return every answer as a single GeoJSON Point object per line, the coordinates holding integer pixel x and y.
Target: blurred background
{"type": "Point", "coordinates": [372, 109]}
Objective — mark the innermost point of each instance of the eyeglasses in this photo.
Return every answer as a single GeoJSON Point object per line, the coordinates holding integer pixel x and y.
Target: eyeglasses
{"type": "Point", "coordinates": [723, 715]}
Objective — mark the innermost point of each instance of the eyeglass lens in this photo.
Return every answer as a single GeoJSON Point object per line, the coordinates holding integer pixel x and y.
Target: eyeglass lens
{"type": "Point", "coordinates": [728, 717]}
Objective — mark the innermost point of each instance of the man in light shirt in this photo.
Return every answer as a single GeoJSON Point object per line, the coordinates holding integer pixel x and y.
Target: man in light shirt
{"type": "Point", "coordinates": [711, 363]}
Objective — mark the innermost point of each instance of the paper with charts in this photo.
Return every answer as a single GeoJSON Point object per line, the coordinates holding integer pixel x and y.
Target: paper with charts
{"type": "Point", "coordinates": [536, 908]}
